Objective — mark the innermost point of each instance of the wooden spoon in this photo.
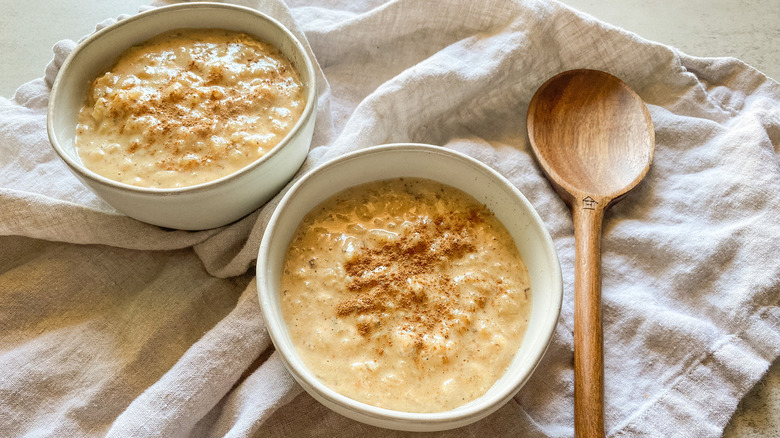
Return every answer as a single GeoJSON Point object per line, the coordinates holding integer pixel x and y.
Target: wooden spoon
{"type": "Point", "coordinates": [594, 140]}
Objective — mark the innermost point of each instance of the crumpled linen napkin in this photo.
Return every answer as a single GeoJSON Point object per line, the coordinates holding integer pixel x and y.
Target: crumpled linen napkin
{"type": "Point", "coordinates": [113, 327]}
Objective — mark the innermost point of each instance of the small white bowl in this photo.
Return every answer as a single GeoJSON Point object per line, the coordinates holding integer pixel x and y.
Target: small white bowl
{"type": "Point", "coordinates": [201, 206]}
{"type": "Point", "coordinates": [451, 168]}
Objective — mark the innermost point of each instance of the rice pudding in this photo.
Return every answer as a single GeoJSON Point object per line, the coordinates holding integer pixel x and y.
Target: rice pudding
{"type": "Point", "coordinates": [405, 294]}
{"type": "Point", "coordinates": [187, 107]}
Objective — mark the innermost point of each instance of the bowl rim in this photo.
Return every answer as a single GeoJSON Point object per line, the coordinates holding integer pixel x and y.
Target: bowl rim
{"type": "Point", "coordinates": [474, 410]}
{"type": "Point", "coordinates": [85, 172]}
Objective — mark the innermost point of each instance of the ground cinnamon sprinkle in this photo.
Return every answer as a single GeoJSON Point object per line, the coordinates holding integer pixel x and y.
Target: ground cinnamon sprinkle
{"type": "Point", "coordinates": [177, 122]}
{"type": "Point", "coordinates": [406, 276]}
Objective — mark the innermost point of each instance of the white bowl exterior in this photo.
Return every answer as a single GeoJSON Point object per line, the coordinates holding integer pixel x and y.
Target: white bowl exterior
{"type": "Point", "coordinates": [206, 205]}
{"type": "Point", "coordinates": [204, 209]}
{"type": "Point", "coordinates": [451, 168]}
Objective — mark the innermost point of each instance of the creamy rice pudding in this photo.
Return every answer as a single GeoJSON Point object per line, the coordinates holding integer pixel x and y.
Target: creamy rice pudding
{"type": "Point", "coordinates": [405, 294]}
{"type": "Point", "coordinates": [187, 107]}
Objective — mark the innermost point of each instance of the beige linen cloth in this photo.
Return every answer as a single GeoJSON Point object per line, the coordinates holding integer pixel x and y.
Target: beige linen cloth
{"type": "Point", "coordinates": [109, 326]}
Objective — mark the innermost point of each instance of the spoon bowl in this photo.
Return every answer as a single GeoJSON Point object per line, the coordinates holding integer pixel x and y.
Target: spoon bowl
{"type": "Point", "coordinates": [594, 139]}
{"type": "Point", "coordinates": [591, 134]}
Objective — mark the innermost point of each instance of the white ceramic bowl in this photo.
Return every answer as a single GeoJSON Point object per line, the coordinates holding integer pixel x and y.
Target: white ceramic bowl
{"type": "Point", "coordinates": [201, 206]}
{"type": "Point", "coordinates": [451, 168]}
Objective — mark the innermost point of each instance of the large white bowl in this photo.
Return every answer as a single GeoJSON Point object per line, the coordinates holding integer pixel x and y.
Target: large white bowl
{"type": "Point", "coordinates": [451, 168]}
{"type": "Point", "coordinates": [201, 206]}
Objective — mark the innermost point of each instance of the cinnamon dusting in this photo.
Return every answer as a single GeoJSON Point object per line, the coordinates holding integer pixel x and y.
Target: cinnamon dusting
{"type": "Point", "coordinates": [407, 276]}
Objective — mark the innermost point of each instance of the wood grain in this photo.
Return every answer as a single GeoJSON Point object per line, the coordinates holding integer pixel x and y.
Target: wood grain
{"type": "Point", "coordinates": [594, 139]}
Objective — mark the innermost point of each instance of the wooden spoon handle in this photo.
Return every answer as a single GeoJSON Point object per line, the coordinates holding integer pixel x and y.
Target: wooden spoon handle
{"type": "Point", "coordinates": [588, 343]}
